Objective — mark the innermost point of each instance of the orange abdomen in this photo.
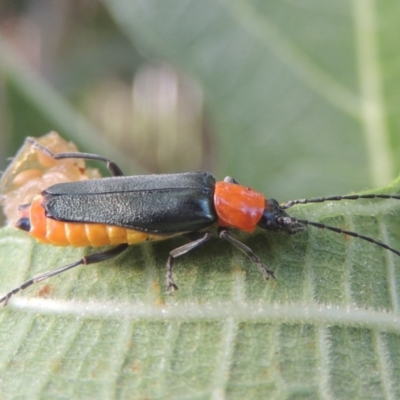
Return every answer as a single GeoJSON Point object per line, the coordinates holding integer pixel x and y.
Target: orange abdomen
{"type": "Point", "coordinates": [60, 233]}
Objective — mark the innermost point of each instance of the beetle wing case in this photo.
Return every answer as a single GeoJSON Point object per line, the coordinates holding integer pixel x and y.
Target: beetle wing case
{"type": "Point", "coordinates": [164, 204]}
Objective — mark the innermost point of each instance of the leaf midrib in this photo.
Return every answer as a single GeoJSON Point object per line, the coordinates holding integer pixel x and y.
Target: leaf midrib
{"type": "Point", "coordinates": [303, 313]}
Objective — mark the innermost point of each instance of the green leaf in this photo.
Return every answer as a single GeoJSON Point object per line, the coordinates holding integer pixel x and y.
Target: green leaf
{"type": "Point", "coordinates": [304, 97]}
{"type": "Point", "coordinates": [110, 330]}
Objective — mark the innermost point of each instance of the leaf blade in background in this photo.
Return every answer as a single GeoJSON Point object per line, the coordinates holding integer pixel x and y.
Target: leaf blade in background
{"type": "Point", "coordinates": [242, 52]}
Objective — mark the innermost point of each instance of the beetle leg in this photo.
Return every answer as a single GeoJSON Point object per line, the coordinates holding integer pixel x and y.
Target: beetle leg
{"type": "Point", "coordinates": [180, 251]}
{"type": "Point", "coordinates": [90, 259]}
{"type": "Point", "coordinates": [111, 165]}
{"type": "Point", "coordinates": [224, 234]}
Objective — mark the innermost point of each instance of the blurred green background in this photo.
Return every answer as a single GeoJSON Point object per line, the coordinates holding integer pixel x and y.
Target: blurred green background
{"type": "Point", "coordinates": [293, 98]}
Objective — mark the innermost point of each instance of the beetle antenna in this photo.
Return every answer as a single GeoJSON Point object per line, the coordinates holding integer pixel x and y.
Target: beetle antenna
{"type": "Point", "coordinates": [350, 233]}
{"type": "Point", "coordinates": [291, 203]}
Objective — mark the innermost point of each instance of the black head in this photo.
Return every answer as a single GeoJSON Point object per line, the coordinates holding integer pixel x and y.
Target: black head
{"type": "Point", "coordinates": [275, 218]}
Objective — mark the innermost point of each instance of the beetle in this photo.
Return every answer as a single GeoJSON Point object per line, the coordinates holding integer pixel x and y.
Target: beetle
{"type": "Point", "coordinates": [126, 210]}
